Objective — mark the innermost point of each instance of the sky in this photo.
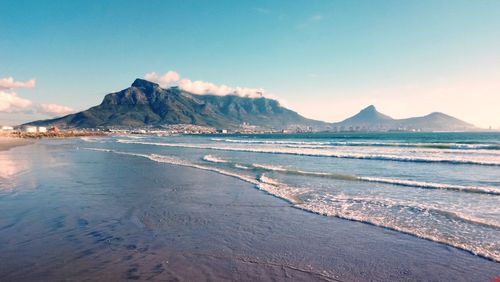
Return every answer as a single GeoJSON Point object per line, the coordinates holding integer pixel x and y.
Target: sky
{"type": "Point", "coordinates": [325, 59]}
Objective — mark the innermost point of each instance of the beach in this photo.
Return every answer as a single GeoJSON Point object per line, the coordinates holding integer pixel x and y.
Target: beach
{"type": "Point", "coordinates": [75, 214]}
{"type": "Point", "coordinates": [10, 142]}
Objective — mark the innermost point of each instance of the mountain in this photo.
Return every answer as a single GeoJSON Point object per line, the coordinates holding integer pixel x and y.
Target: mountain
{"type": "Point", "coordinates": [435, 122]}
{"type": "Point", "coordinates": [147, 104]}
{"type": "Point", "coordinates": [369, 119]}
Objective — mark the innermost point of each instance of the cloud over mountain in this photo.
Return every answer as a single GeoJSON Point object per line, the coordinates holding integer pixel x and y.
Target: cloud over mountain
{"type": "Point", "coordinates": [201, 87]}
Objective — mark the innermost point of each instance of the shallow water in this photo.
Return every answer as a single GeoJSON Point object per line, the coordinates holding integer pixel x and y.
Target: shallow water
{"type": "Point", "coordinates": [108, 209]}
{"type": "Point", "coordinates": [443, 187]}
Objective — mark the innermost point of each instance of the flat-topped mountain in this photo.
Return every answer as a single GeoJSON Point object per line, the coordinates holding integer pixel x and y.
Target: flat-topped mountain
{"type": "Point", "coordinates": [147, 104]}
{"type": "Point", "coordinates": [369, 119]}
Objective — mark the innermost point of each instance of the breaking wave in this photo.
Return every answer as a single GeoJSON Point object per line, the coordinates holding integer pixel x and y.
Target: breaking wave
{"type": "Point", "coordinates": [399, 182]}
{"type": "Point", "coordinates": [325, 153]}
{"type": "Point", "coordinates": [347, 207]}
{"type": "Point", "coordinates": [324, 144]}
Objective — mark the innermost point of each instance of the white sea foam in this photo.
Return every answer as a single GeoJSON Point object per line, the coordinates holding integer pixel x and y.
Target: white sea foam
{"type": "Point", "coordinates": [270, 167]}
{"type": "Point", "coordinates": [432, 185]}
{"type": "Point", "coordinates": [92, 139]}
{"type": "Point", "coordinates": [213, 159]}
{"type": "Point", "coordinates": [344, 206]}
{"type": "Point", "coordinates": [241, 166]}
{"type": "Point", "coordinates": [264, 179]}
{"type": "Point", "coordinates": [323, 144]}
{"type": "Point", "coordinates": [408, 157]}
{"type": "Point", "coordinates": [401, 182]}
{"type": "Point", "coordinates": [272, 187]}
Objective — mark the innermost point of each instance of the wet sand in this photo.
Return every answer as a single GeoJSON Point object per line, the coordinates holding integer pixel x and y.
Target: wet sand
{"type": "Point", "coordinates": [9, 142]}
{"type": "Point", "coordinates": [85, 215]}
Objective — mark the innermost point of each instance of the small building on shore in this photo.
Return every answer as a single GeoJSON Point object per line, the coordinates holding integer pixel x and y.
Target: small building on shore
{"type": "Point", "coordinates": [33, 129]}
{"type": "Point", "coordinates": [6, 128]}
{"type": "Point", "coordinates": [29, 129]}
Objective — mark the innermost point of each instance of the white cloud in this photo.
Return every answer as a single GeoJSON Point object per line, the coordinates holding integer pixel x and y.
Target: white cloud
{"type": "Point", "coordinates": [164, 80]}
{"type": "Point", "coordinates": [54, 110]}
{"type": "Point", "coordinates": [200, 87]}
{"type": "Point", "coordinates": [11, 83]}
{"type": "Point", "coordinates": [10, 102]}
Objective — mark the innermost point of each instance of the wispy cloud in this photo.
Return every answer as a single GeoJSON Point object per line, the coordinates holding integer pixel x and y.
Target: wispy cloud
{"type": "Point", "coordinates": [10, 83]}
{"type": "Point", "coordinates": [10, 102]}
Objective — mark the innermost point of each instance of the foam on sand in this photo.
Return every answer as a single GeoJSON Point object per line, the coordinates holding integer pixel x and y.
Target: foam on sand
{"type": "Point", "coordinates": [358, 208]}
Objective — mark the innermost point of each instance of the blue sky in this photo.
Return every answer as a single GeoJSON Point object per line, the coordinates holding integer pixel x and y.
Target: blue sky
{"type": "Point", "coordinates": [325, 59]}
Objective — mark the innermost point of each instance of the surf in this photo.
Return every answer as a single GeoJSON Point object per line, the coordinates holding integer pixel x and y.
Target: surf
{"type": "Point", "coordinates": [319, 153]}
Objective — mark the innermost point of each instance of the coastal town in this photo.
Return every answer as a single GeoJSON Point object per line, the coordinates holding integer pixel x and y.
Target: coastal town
{"type": "Point", "coordinates": [31, 131]}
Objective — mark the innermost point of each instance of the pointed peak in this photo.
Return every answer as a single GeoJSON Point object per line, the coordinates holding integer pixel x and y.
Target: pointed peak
{"type": "Point", "coordinates": [370, 108]}
{"type": "Point", "coordinates": [142, 83]}
{"type": "Point", "coordinates": [436, 114]}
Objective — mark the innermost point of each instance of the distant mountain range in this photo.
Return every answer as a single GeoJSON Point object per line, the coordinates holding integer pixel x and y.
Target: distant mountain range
{"type": "Point", "coordinates": [147, 104]}
{"type": "Point", "coordinates": [369, 119]}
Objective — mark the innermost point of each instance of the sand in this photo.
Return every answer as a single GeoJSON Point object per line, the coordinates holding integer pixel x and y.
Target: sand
{"type": "Point", "coordinates": [8, 142]}
{"type": "Point", "coordinates": [86, 215]}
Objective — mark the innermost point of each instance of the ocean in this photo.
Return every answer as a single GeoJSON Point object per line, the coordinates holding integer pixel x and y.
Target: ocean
{"type": "Point", "coordinates": [443, 187]}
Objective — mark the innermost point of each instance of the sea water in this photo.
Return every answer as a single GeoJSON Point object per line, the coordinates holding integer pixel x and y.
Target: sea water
{"type": "Point", "coordinates": [443, 187]}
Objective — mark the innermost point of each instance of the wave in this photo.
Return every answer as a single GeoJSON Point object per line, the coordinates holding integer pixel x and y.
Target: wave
{"type": "Point", "coordinates": [271, 167]}
{"type": "Point", "coordinates": [241, 166]}
{"type": "Point", "coordinates": [213, 159]}
{"type": "Point", "coordinates": [400, 182]}
{"type": "Point", "coordinates": [92, 139]}
{"type": "Point", "coordinates": [432, 185]}
{"type": "Point", "coordinates": [414, 206]}
{"type": "Point", "coordinates": [326, 144]}
{"type": "Point", "coordinates": [342, 206]}
{"type": "Point", "coordinates": [272, 187]}
{"type": "Point", "coordinates": [291, 195]}
{"type": "Point", "coordinates": [317, 153]}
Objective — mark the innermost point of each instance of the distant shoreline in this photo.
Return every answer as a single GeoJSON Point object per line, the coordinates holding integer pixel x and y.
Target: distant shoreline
{"type": "Point", "coordinates": [38, 135]}
{"type": "Point", "coordinates": [7, 143]}
{"type": "Point", "coordinates": [9, 140]}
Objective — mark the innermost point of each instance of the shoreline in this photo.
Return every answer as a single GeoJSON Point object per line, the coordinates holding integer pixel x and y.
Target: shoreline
{"type": "Point", "coordinates": [7, 143]}
{"type": "Point", "coordinates": [131, 218]}
{"type": "Point", "coordinates": [294, 203]}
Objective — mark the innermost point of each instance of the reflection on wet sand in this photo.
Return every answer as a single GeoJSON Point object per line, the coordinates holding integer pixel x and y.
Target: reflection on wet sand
{"type": "Point", "coordinates": [12, 164]}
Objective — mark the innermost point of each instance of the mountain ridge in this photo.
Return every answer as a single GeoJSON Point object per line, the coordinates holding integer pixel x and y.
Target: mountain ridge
{"type": "Point", "coordinates": [370, 119]}
{"type": "Point", "coordinates": [145, 103]}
